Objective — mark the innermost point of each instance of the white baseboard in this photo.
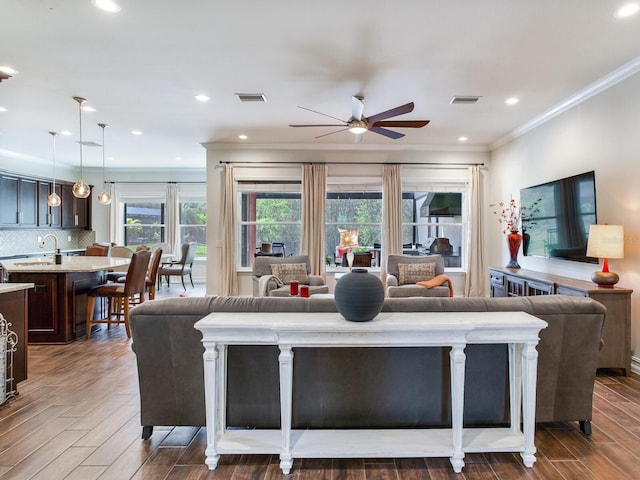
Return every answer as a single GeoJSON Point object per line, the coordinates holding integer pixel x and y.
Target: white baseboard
{"type": "Point", "coordinates": [635, 365]}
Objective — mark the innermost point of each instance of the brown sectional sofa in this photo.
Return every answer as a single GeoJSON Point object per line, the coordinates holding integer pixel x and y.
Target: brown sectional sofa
{"type": "Point", "coordinates": [362, 387]}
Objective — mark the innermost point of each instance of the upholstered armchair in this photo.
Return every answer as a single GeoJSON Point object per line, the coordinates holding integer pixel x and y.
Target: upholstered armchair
{"type": "Point", "coordinates": [404, 271]}
{"type": "Point", "coordinates": [270, 281]}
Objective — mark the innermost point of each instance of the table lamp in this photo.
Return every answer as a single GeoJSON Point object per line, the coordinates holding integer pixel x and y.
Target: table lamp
{"type": "Point", "coordinates": [605, 241]}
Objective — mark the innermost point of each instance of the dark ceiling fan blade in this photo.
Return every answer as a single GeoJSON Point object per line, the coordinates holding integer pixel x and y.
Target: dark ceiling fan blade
{"type": "Point", "coordinates": [386, 133]}
{"type": "Point", "coordinates": [319, 125]}
{"type": "Point", "coordinates": [320, 113]}
{"type": "Point", "coordinates": [331, 133]}
{"type": "Point", "coordinates": [357, 107]}
{"type": "Point", "coordinates": [394, 112]}
{"type": "Point", "coordinates": [401, 123]}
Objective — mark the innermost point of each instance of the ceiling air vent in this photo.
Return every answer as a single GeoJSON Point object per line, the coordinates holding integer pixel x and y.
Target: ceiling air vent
{"type": "Point", "coordinates": [90, 144]}
{"type": "Point", "coordinates": [464, 100]}
{"type": "Point", "coordinates": [251, 97]}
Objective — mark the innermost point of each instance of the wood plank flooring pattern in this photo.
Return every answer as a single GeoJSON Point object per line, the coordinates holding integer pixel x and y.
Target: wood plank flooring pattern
{"type": "Point", "coordinates": [77, 417]}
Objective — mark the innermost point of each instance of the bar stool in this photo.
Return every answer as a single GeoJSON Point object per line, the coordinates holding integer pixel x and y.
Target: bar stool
{"type": "Point", "coordinates": [120, 295]}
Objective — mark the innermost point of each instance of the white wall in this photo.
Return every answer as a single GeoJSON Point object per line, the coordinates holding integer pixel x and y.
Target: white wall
{"type": "Point", "coordinates": [600, 134]}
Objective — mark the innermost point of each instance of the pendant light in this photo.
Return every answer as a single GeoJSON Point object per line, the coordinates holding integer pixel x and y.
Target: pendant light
{"type": "Point", "coordinates": [53, 200]}
{"type": "Point", "coordinates": [80, 189]}
{"type": "Point", "coordinates": [104, 198]}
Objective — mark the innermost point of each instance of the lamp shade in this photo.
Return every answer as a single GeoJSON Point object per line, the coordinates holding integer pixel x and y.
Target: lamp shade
{"type": "Point", "coordinates": [606, 241]}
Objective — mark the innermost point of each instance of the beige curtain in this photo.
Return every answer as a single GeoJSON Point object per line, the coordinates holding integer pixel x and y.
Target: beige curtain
{"type": "Point", "coordinates": [475, 282]}
{"type": "Point", "coordinates": [314, 195]}
{"type": "Point", "coordinates": [172, 226]}
{"type": "Point", "coordinates": [115, 227]}
{"type": "Point", "coordinates": [391, 216]}
{"type": "Point", "coordinates": [228, 280]}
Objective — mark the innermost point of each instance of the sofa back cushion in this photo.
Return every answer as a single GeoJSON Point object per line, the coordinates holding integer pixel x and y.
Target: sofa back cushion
{"type": "Point", "coordinates": [262, 265]}
{"type": "Point", "coordinates": [394, 260]}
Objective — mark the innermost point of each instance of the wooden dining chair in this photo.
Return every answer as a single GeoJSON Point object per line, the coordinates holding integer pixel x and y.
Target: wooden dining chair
{"type": "Point", "coordinates": [96, 250]}
{"type": "Point", "coordinates": [152, 273]}
{"type": "Point", "coordinates": [120, 295]}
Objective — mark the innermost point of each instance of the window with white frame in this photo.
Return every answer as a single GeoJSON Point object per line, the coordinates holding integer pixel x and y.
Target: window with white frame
{"type": "Point", "coordinates": [270, 213]}
{"type": "Point", "coordinates": [144, 222]}
{"type": "Point", "coordinates": [356, 209]}
{"type": "Point", "coordinates": [433, 221]}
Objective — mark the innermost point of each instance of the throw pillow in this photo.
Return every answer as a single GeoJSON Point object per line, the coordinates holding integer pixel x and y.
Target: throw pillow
{"type": "Point", "coordinates": [348, 238]}
{"type": "Point", "coordinates": [290, 271]}
{"type": "Point", "coordinates": [415, 272]}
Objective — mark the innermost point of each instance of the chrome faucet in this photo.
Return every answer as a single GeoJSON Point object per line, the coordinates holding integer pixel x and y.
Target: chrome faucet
{"type": "Point", "coordinates": [58, 256]}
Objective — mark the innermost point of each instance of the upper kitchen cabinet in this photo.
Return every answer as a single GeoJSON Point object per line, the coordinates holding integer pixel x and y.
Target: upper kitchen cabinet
{"type": "Point", "coordinates": [19, 200]}
{"type": "Point", "coordinates": [76, 212]}
{"type": "Point", "coordinates": [48, 216]}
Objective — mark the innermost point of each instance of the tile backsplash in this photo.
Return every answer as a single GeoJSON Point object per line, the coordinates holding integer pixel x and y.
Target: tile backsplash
{"type": "Point", "coordinates": [16, 242]}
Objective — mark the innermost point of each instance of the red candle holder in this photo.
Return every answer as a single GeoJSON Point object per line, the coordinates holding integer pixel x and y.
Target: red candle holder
{"type": "Point", "coordinates": [293, 287]}
{"type": "Point", "coordinates": [304, 291]}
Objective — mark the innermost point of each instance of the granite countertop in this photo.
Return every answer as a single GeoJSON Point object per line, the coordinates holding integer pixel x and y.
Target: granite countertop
{"type": "Point", "coordinates": [39, 253]}
{"type": "Point", "coordinates": [69, 264]}
{"type": "Point", "coordinates": [14, 287]}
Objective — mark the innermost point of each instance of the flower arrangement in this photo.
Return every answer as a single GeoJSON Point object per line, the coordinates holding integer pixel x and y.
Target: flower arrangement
{"type": "Point", "coordinates": [509, 215]}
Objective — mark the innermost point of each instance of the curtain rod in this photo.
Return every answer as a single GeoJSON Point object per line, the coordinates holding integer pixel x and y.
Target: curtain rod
{"type": "Point", "coordinates": [157, 181]}
{"type": "Point", "coordinates": [285, 164]}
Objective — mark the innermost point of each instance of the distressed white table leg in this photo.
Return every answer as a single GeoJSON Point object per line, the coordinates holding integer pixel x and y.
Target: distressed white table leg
{"type": "Point", "coordinates": [286, 398]}
{"type": "Point", "coordinates": [221, 389]}
{"type": "Point", "coordinates": [529, 373]}
{"type": "Point", "coordinates": [515, 385]}
{"type": "Point", "coordinates": [457, 360]}
{"type": "Point", "coordinates": [211, 367]}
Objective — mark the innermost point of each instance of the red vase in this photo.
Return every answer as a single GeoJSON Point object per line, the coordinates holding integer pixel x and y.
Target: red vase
{"type": "Point", "coordinates": [514, 239]}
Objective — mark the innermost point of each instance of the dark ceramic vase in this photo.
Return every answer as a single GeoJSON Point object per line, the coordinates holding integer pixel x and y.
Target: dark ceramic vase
{"type": "Point", "coordinates": [359, 295]}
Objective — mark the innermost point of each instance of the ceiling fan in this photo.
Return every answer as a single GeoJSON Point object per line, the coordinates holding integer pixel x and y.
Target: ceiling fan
{"type": "Point", "coordinates": [358, 124]}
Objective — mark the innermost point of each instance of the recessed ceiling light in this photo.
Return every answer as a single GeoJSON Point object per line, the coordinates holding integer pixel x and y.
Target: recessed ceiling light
{"type": "Point", "coordinates": [511, 101]}
{"type": "Point", "coordinates": [66, 133]}
{"type": "Point", "coordinates": [2, 109]}
{"type": "Point", "coordinates": [136, 132]}
{"type": "Point", "coordinates": [111, 158]}
{"type": "Point", "coordinates": [107, 5]}
{"type": "Point", "coordinates": [178, 158]}
{"type": "Point", "coordinates": [242, 137]}
{"type": "Point", "coordinates": [88, 108]}
{"type": "Point", "coordinates": [202, 98]}
{"type": "Point", "coordinates": [8, 70]}
{"type": "Point", "coordinates": [462, 139]}
{"type": "Point", "coordinates": [628, 9]}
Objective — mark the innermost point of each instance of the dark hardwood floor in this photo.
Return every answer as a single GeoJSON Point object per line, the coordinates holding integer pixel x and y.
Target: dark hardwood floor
{"type": "Point", "coordinates": [77, 417]}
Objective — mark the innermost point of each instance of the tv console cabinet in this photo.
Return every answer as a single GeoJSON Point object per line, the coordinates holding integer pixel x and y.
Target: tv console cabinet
{"type": "Point", "coordinates": [616, 351]}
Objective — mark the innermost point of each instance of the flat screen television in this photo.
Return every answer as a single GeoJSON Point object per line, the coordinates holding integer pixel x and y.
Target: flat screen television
{"type": "Point", "coordinates": [556, 217]}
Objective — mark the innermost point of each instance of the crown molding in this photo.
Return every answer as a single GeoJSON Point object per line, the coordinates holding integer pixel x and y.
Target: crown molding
{"type": "Point", "coordinates": [597, 87]}
{"type": "Point", "coordinates": [335, 147]}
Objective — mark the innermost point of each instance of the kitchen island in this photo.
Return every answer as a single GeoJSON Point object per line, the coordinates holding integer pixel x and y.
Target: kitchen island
{"type": "Point", "coordinates": [57, 305]}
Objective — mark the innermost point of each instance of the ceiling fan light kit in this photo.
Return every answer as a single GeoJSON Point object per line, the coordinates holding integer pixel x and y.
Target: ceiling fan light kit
{"type": "Point", "coordinates": [358, 124]}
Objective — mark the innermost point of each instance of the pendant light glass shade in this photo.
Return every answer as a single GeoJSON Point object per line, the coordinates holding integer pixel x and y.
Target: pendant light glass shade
{"type": "Point", "coordinates": [80, 189]}
{"type": "Point", "coordinates": [104, 198]}
{"type": "Point", "coordinates": [53, 200]}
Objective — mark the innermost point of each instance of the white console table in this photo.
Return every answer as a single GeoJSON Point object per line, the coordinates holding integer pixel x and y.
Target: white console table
{"type": "Point", "coordinates": [399, 329]}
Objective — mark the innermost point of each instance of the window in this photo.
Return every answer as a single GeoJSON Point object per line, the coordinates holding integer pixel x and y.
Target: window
{"type": "Point", "coordinates": [353, 210]}
{"type": "Point", "coordinates": [144, 223]}
{"type": "Point", "coordinates": [193, 225]}
{"type": "Point", "coordinates": [432, 223]}
{"type": "Point", "coordinates": [269, 213]}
